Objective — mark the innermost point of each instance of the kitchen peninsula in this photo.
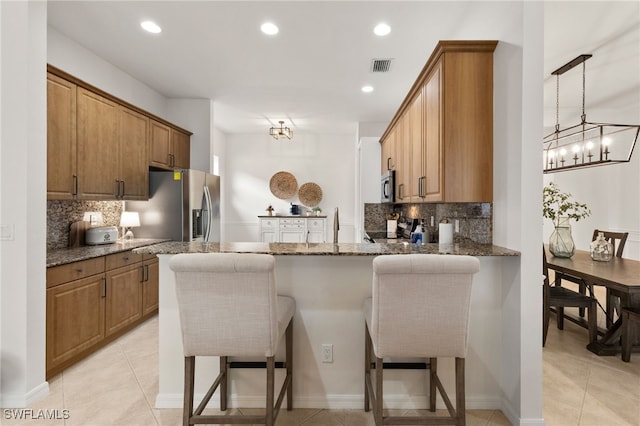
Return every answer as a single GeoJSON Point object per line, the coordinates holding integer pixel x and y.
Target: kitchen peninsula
{"type": "Point", "coordinates": [329, 283]}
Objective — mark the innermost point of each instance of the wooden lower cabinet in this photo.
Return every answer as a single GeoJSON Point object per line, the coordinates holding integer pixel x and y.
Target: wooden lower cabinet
{"type": "Point", "coordinates": [75, 319]}
{"type": "Point", "coordinates": [124, 298]}
{"type": "Point", "coordinates": [92, 302]}
{"type": "Point", "coordinates": [150, 283]}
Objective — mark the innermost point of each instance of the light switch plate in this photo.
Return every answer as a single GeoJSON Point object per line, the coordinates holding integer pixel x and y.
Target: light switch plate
{"type": "Point", "coordinates": [7, 233]}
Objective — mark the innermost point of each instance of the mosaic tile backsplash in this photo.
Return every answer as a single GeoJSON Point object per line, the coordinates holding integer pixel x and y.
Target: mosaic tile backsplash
{"type": "Point", "coordinates": [62, 213]}
{"type": "Point", "coordinates": [476, 219]}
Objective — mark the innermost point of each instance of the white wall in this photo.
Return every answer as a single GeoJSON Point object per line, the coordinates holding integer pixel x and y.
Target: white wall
{"type": "Point", "coordinates": [23, 201]}
{"type": "Point", "coordinates": [251, 161]}
{"type": "Point", "coordinates": [196, 116]}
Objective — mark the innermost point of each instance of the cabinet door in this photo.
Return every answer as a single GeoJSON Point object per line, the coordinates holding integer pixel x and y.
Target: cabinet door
{"type": "Point", "coordinates": [317, 230]}
{"type": "Point", "coordinates": [433, 153]}
{"type": "Point", "coordinates": [134, 165]}
{"type": "Point", "coordinates": [160, 145]}
{"type": "Point", "coordinates": [403, 165]}
{"type": "Point", "coordinates": [151, 276]}
{"type": "Point", "coordinates": [61, 138]}
{"type": "Point", "coordinates": [98, 148]}
{"type": "Point", "coordinates": [75, 318]}
{"type": "Point", "coordinates": [124, 298]}
{"type": "Point", "coordinates": [292, 235]}
{"type": "Point", "coordinates": [181, 149]}
{"type": "Point", "coordinates": [416, 141]}
{"type": "Point", "coordinates": [388, 153]}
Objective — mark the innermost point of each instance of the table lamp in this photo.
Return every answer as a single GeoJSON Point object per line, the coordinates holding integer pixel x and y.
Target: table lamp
{"type": "Point", "coordinates": [129, 220]}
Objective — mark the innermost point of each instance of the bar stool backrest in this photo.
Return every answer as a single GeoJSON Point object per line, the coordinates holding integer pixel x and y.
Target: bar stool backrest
{"type": "Point", "coordinates": [421, 305]}
{"type": "Point", "coordinates": [227, 303]}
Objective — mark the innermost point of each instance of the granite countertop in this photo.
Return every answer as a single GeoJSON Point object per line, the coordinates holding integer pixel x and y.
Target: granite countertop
{"type": "Point", "coordinates": [68, 255]}
{"type": "Point", "coordinates": [326, 249]}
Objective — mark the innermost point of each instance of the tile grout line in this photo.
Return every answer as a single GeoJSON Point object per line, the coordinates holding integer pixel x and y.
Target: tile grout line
{"type": "Point", "coordinates": [133, 371]}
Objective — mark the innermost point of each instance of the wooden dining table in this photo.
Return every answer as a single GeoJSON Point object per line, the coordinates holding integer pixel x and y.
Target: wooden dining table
{"type": "Point", "coordinates": [620, 275]}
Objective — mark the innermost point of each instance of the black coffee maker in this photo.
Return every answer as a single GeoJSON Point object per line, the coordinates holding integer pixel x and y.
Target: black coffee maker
{"type": "Point", "coordinates": [294, 210]}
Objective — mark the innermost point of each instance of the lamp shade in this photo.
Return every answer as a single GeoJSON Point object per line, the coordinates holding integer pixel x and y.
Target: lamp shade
{"type": "Point", "coordinates": [129, 219]}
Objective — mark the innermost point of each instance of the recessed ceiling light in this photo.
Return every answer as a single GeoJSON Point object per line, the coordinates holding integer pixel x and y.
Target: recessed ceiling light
{"type": "Point", "coordinates": [269, 28]}
{"type": "Point", "coordinates": [367, 89]}
{"type": "Point", "coordinates": [151, 27]}
{"type": "Point", "coordinates": [382, 29]}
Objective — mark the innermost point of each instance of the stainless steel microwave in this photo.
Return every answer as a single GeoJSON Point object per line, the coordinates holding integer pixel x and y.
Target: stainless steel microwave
{"type": "Point", "coordinates": [387, 187]}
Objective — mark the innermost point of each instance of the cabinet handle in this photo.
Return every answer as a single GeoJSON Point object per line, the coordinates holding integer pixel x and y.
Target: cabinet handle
{"type": "Point", "coordinates": [122, 190]}
{"type": "Point", "coordinates": [75, 185]}
{"type": "Point", "coordinates": [142, 274]}
{"type": "Point", "coordinates": [117, 192]}
{"type": "Point", "coordinates": [104, 287]}
{"type": "Point", "coordinates": [400, 188]}
{"type": "Point", "coordinates": [389, 163]}
{"type": "Point", "coordinates": [146, 272]}
{"type": "Point", "coordinates": [80, 270]}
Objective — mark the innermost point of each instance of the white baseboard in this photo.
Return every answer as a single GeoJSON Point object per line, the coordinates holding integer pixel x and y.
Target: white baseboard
{"type": "Point", "coordinates": [14, 400]}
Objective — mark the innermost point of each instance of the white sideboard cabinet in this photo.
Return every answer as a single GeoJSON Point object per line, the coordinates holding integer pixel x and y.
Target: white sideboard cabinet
{"type": "Point", "coordinates": [293, 229]}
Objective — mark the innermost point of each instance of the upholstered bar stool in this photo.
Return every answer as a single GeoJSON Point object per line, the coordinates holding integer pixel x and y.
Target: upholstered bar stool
{"type": "Point", "coordinates": [229, 307]}
{"type": "Point", "coordinates": [419, 309]}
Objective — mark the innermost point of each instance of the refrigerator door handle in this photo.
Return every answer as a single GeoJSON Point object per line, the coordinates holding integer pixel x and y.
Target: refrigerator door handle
{"type": "Point", "coordinates": [207, 196]}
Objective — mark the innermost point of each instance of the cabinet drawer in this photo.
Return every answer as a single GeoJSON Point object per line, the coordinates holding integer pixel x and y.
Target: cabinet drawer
{"type": "Point", "coordinates": [315, 224]}
{"type": "Point", "coordinates": [125, 258]}
{"type": "Point", "coordinates": [268, 223]}
{"type": "Point", "coordinates": [292, 221]}
{"type": "Point", "coordinates": [73, 271]}
{"type": "Point", "coordinates": [293, 226]}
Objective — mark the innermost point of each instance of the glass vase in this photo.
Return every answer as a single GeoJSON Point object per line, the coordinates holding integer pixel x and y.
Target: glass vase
{"type": "Point", "coordinates": [601, 249]}
{"type": "Point", "coordinates": [561, 242]}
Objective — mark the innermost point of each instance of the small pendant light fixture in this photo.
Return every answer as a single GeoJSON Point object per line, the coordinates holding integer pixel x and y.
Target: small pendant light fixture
{"type": "Point", "coordinates": [586, 144]}
{"type": "Point", "coordinates": [281, 132]}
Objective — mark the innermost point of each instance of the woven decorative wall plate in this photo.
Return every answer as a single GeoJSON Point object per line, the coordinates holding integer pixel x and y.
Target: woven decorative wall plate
{"type": "Point", "coordinates": [283, 185]}
{"type": "Point", "coordinates": [310, 194]}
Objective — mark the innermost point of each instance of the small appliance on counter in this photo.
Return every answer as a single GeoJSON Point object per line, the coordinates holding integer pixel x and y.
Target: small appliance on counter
{"type": "Point", "coordinates": [407, 226]}
{"type": "Point", "coordinates": [101, 235]}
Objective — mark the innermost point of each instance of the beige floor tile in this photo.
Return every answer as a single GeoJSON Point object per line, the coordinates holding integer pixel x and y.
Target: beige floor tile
{"type": "Point", "coordinates": [610, 412]}
{"type": "Point", "coordinates": [498, 419]}
{"type": "Point", "coordinates": [323, 418]}
{"type": "Point", "coordinates": [48, 411]}
{"type": "Point", "coordinates": [286, 418]}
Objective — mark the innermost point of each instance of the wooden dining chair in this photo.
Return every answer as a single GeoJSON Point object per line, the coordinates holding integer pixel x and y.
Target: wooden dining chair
{"type": "Point", "coordinates": [617, 239]}
{"type": "Point", "coordinates": [562, 297]}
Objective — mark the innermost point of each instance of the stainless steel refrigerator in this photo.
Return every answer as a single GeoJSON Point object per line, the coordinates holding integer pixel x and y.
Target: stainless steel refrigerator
{"type": "Point", "coordinates": [183, 205]}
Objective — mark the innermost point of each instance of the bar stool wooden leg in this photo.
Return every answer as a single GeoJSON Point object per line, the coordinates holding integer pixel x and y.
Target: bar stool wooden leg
{"type": "Point", "coordinates": [289, 361]}
{"type": "Point", "coordinates": [271, 365]}
{"type": "Point", "coordinates": [367, 365]}
{"type": "Point", "coordinates": [433, 371]}
{"type": "Point", "coordinates": [189, 377]}
{"type": "Point", "coordinates": [460, 392]}
{"type": "Point", "coordinates": [223, 383]}
{"type": "Point", "coordinates": [378, 397]}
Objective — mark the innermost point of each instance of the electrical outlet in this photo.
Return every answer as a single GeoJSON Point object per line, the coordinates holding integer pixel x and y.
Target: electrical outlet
{"type": "Point", "coordinates": [327, 352]}
{"type": "Point", "coordinates": [457, 225]}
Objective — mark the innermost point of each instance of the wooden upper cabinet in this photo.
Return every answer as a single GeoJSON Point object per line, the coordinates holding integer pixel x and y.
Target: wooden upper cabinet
{"type": "Point", "coordinates": [388, 153]}
{"type": "Point", "coordinates": [181, 146]}
{"type": "Point", "coordinates": [403, 156]}
{"type": "Point", "coordinates": [98, 146]}
{"type": "Point", "coordinates": [450, 144]}
{"type": "Point", "coordinates": [431, 185]}
{"type": "Point", "coordinates": [160, 145]}
{"type": "Point", "coordinates": [467, 125]}
{"type": "Point", "coordinates": [133, 165]}
{"type": "Point", "coordinates": [416, 141]}
{"type": "Point", "coordinates": [169, 148]}
{"type": "Point", "coordinates": [61, 138]}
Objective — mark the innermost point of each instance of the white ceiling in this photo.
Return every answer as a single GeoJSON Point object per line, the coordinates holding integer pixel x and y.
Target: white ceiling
{"type": "Point", "coordinates": [310, 74]}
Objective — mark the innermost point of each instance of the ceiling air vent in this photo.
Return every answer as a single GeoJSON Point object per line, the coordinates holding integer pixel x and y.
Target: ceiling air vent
{"type": "Point", "coordinates": [380, 65]}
